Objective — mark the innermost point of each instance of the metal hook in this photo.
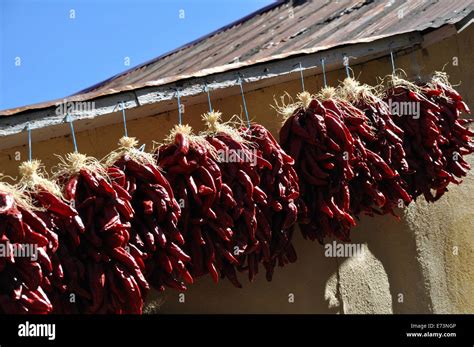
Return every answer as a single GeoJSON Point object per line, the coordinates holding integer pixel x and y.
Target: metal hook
{"type": "Point", "coordinates": [345, 61]}
{"type": "Point", "coordinates": [124, 117]}
{"type": "Point", "coordinates": [243, 100]}
{"type": "Point", "coordinates": [69, 120]}
{"type": "Point", "coordinates": [393, 62]}
{"type": "Point", "coordinates": [180, 116]}
{"type": "Point", "coordinates": [301, 75]}
{"type": "Point", "coordinates": [206, 89]}
{"type": "Point", "coordinates": [30, 150]}
{"type": "Point", "coordinates": [324, 73]}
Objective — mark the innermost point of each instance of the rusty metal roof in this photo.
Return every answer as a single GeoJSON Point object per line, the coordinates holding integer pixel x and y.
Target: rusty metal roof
{"type": "Point", "coordinates": [277, 31]}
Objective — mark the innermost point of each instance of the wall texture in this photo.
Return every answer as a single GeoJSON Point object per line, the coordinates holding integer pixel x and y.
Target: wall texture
{"type": "Point", "coordinates": [421, 264]}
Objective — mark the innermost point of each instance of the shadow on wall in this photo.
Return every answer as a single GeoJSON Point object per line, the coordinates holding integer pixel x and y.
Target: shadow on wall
{"type": "Point", "coordinates": [304, 281]}
{"type": "Point", "coordinates": [393, 244]}
{"type": "Point", "coordinates": [386, 278]}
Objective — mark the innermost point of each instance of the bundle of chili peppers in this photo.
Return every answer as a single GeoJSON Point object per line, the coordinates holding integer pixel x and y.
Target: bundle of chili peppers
{"type": "Point", "coordinates": [53, 216]}
{"type": "Point", "coordinates": [260, 233]}
{"type": "Point", "coordinates": [278, 212]}
{"type": "Point", "coordinates": [377, 186]}
{"type": "Point", "coordinates": [436, 138]}
{"type": "Point", "coordinates": [102, 265]}
{"type": "Point", "coordinates": [204, 198]}
{"type": "Point", "coordinates": [26, 256]}
{"type": "Point", "coordinates": [316, 137]}
{"type": "Point", "coordinates": [155, 240]}
{"type": "Point", "coordinates": [238, 165]}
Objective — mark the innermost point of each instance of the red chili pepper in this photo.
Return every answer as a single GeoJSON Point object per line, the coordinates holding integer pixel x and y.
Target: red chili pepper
{"type": "Point", "coordinates": [183, 144]}
{"type": "Point", "coordinates": [54, 204]}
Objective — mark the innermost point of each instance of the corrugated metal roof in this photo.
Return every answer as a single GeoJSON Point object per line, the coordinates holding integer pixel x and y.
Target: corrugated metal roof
{"type": "Point", "coordinates": [279, 30]}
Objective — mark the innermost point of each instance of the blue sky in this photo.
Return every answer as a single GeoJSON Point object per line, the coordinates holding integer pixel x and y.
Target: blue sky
{"type": "Point", "coordinates": [53, 48]}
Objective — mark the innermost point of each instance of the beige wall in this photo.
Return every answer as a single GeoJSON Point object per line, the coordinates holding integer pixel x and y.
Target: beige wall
{"type": "Point", "coordinates": [424, 263]}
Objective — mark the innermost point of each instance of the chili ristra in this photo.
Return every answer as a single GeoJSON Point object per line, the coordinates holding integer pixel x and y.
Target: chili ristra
{"type": "Point", "coordinates": [107, 273]}
{"type": "Point", "coordinates": [436, 138]}
{"type": "Point", "coordinates": [206, 225]}
{"type": "Point", "coordinates": [242, 249]}
{"type": "Point", "coordinates": [377, 186]}
{"type": "Point", "coordinates": [22, 277]}
{"type": "Point", "coordinates": [154, 235]}
{"type": "Point", "coordinates": [316, 136]}
{"type": "Point", "coordinates": [277, 199]}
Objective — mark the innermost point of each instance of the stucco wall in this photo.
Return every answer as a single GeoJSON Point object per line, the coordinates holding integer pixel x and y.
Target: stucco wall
{"type": "Point", "coordinates": [422, 264]}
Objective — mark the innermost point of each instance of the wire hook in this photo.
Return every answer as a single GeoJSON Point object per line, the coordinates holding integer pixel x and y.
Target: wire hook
{"type": "Point", "coordinates": [393, 62]}
{"type": "Point", "coordinates": [243, 100]}
{"type": "Point", "coordinates": [180, 116]}
{"type": "Point", "coordinates": [30, 149]}
{"type": "Point", "coordinates": [301, 75]}
{"type": "Point", "coordinates": [206, 89]}
{"type": "Point", "coordinates": [324, 73]}
{"type": "Point", "coordinates": [69, 120]}
{"type": "Point", "coordinates": [345, 61]}
{"type": "Point", "coordinates": [124, 117]}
